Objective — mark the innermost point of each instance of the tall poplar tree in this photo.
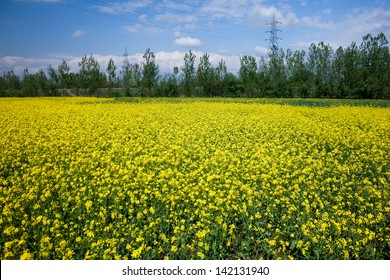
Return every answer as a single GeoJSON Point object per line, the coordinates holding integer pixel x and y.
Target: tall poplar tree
{"type": "Point", "coordinates": [189, 73]}
{"type": "Point", "coordinates": [150, 71]}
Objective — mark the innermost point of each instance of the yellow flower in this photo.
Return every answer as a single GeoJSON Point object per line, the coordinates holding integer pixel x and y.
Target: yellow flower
{"type": "Point", "coordinates": [345, 254]}
{"type": "Point", "coordinates": [272, 243]}
{"type": "Point", "coordinates": [201, 234]}
{"type": "Point", "coordinates": [94, 178]}
{"type": "Point", "coordinates": [174, 249]}
{"type": "Point", "coordinates": [139, 239]}
{"type": "Point", "coordinates": [88, 205]}
{"type": "Point", "coordinates": [136, 254]}
{"type": "Point", "coordinates": [26, 256]}
{"type": "Point", "coordinates": [200, 255]}
{"type": "Point", "coordinates": [63, 244]}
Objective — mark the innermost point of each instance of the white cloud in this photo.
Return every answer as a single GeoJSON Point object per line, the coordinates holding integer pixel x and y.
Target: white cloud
{"type": "Point", "coordinates": [168, 60]}
{"type": "Point", "coordinates": [188, 42]}
{"type": "Point", "coordinates": [41, 1]}
{"type": "Point", "coordinates": [175, 18]}
{"type": "Point", "coordinates": [316, 21]}
{"type": "Point", "coordinates": [34, 64]}
{"type": "Point", "coordinates": [143, 18]}
{"type": "Point", "coordinates": [262, 15]}
{"type": "Point", "coordinates": [232, 9]}
{"type": "Point", "coordinates": [369, 20]}
{"type": "Point", "coordinates": [232, 61]}
{"type": "Point", "coordinates": [362, 21]}
{"type": "Point", "coordinates": [165, 60]}
{"type": "Point", "coordinates": [256, 12]}
{"type": "Point", "coordinates": [302, 45]}
{"type": "Point", "coordinates": [261, 50]}
{"type": "Point", "coordinates": [136, 28]}
{"type": "Point", "coordinates": [125, 7]}
{"type": "Point", "coordinates": [133, 28]}
{"type": "Point", "coordinates": [167, 4]}
{"type": "Point", "coordinates": [351, 28]}
{"type": "Point", "coordinates": [78, 33]}
{"type": "Point", "coordinates": [190, 26]}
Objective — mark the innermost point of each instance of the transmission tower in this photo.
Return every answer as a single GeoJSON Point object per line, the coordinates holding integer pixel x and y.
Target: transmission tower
{"type": "Point", "coordinates": [125, 58]}
{"type": "Point", "coordinates": [273, 38]}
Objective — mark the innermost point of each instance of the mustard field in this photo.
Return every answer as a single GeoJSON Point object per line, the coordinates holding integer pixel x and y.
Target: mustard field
{"type": "Point", "coordinates": [87, 178]}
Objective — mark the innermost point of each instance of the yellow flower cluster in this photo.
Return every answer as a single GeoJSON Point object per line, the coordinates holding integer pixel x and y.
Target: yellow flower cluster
{"type": "Point", "coordinates": [93, 179]}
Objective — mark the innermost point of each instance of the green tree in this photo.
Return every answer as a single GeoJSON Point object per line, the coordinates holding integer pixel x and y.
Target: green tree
{"type": "Point", "coordinates": [3, 91]}
{"type": "Point", "coordinates": [29, 86]}
{"type": "Point", "coordinates": [263, 78]}
{"type": "Point", "coordinates": [205, 76]}
{"type": "Point", "coordinates": [337, 73]}
{"type": "Point", "coordinates": [248, 70]}
{"type": "Point", "coordinates": [150, 72]}
{"type": "Point", "coordinates": [53, 80]}
{"type": "Point", "coordinates": [276, 72]}
{"type": "Point", "coordinates": [351, 72]}
{"type": "Point", "coordinates": [168, 86]}
{"type": "Point", "coordinates": [376, 66]}
{"type": "Point", "coordinates": [12, 84]}
{"type": "Point", "coordinates": [319, 64]}
{"type": "Point", "coordinates": [112, 79]}
{"type": "Point", "coordinates": [64, 75]}
{"type": "Point", "coordinates": [126, 78]}
{"type": "Point", "coordinates": [42, 82]}
{"type": "Point", "coordinates": [90, 76]}
{"type": "Point", "coordinates": [232, 86]}
{"type": "Point", "coordinates": [219, 76]}
{"type": "Point", "coordinates": [297, 74]}
{"type": "Point", "coordinates": [189, 76]}
{"type": "Point", "coordinates": [131, 79]}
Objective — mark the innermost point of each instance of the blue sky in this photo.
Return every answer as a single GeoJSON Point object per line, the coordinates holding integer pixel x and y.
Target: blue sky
{"type": "Point", "coordinates": [36, 33]}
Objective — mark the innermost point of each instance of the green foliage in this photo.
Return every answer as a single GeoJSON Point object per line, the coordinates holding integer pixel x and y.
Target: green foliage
{"type": "Point", "coordinates": [112, 79]}
{"type": "Point", "coordinates": [168, 87]}
{"type": "Point", "coordinates": [10, 84]}
{"type": "Point", "coordinates": [131, 79]}
{"type": "Point", "coordinates": [205, 76]}
{"type": "Point", "coordinates": [90, 76]}
{"type": "Point", "coordinates": [64, 73]}
{"type": "Point", "coordinates": [307, 102]}
{"type": "Point", "coordinates": [248, 69]}
{"type": "Point", "coordinates": [354, 72]}
{"type": "Point", "coordinates": [188, 73]}
{"type": "Point", "coordinates": [150, 71]}
{"type": "Point", "coordinates": [34, 84]}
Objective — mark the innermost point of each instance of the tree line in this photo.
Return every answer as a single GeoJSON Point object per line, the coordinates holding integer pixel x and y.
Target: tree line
{"type": "Point", "coordinates": [356, 71]}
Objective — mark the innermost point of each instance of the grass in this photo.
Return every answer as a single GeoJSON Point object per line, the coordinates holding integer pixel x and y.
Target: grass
{"type": "Point", "coordinates": [281, 101]}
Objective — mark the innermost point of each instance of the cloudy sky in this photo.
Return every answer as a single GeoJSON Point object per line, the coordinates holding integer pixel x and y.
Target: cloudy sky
{"type": "Point", "coordinates": [38, 33]}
